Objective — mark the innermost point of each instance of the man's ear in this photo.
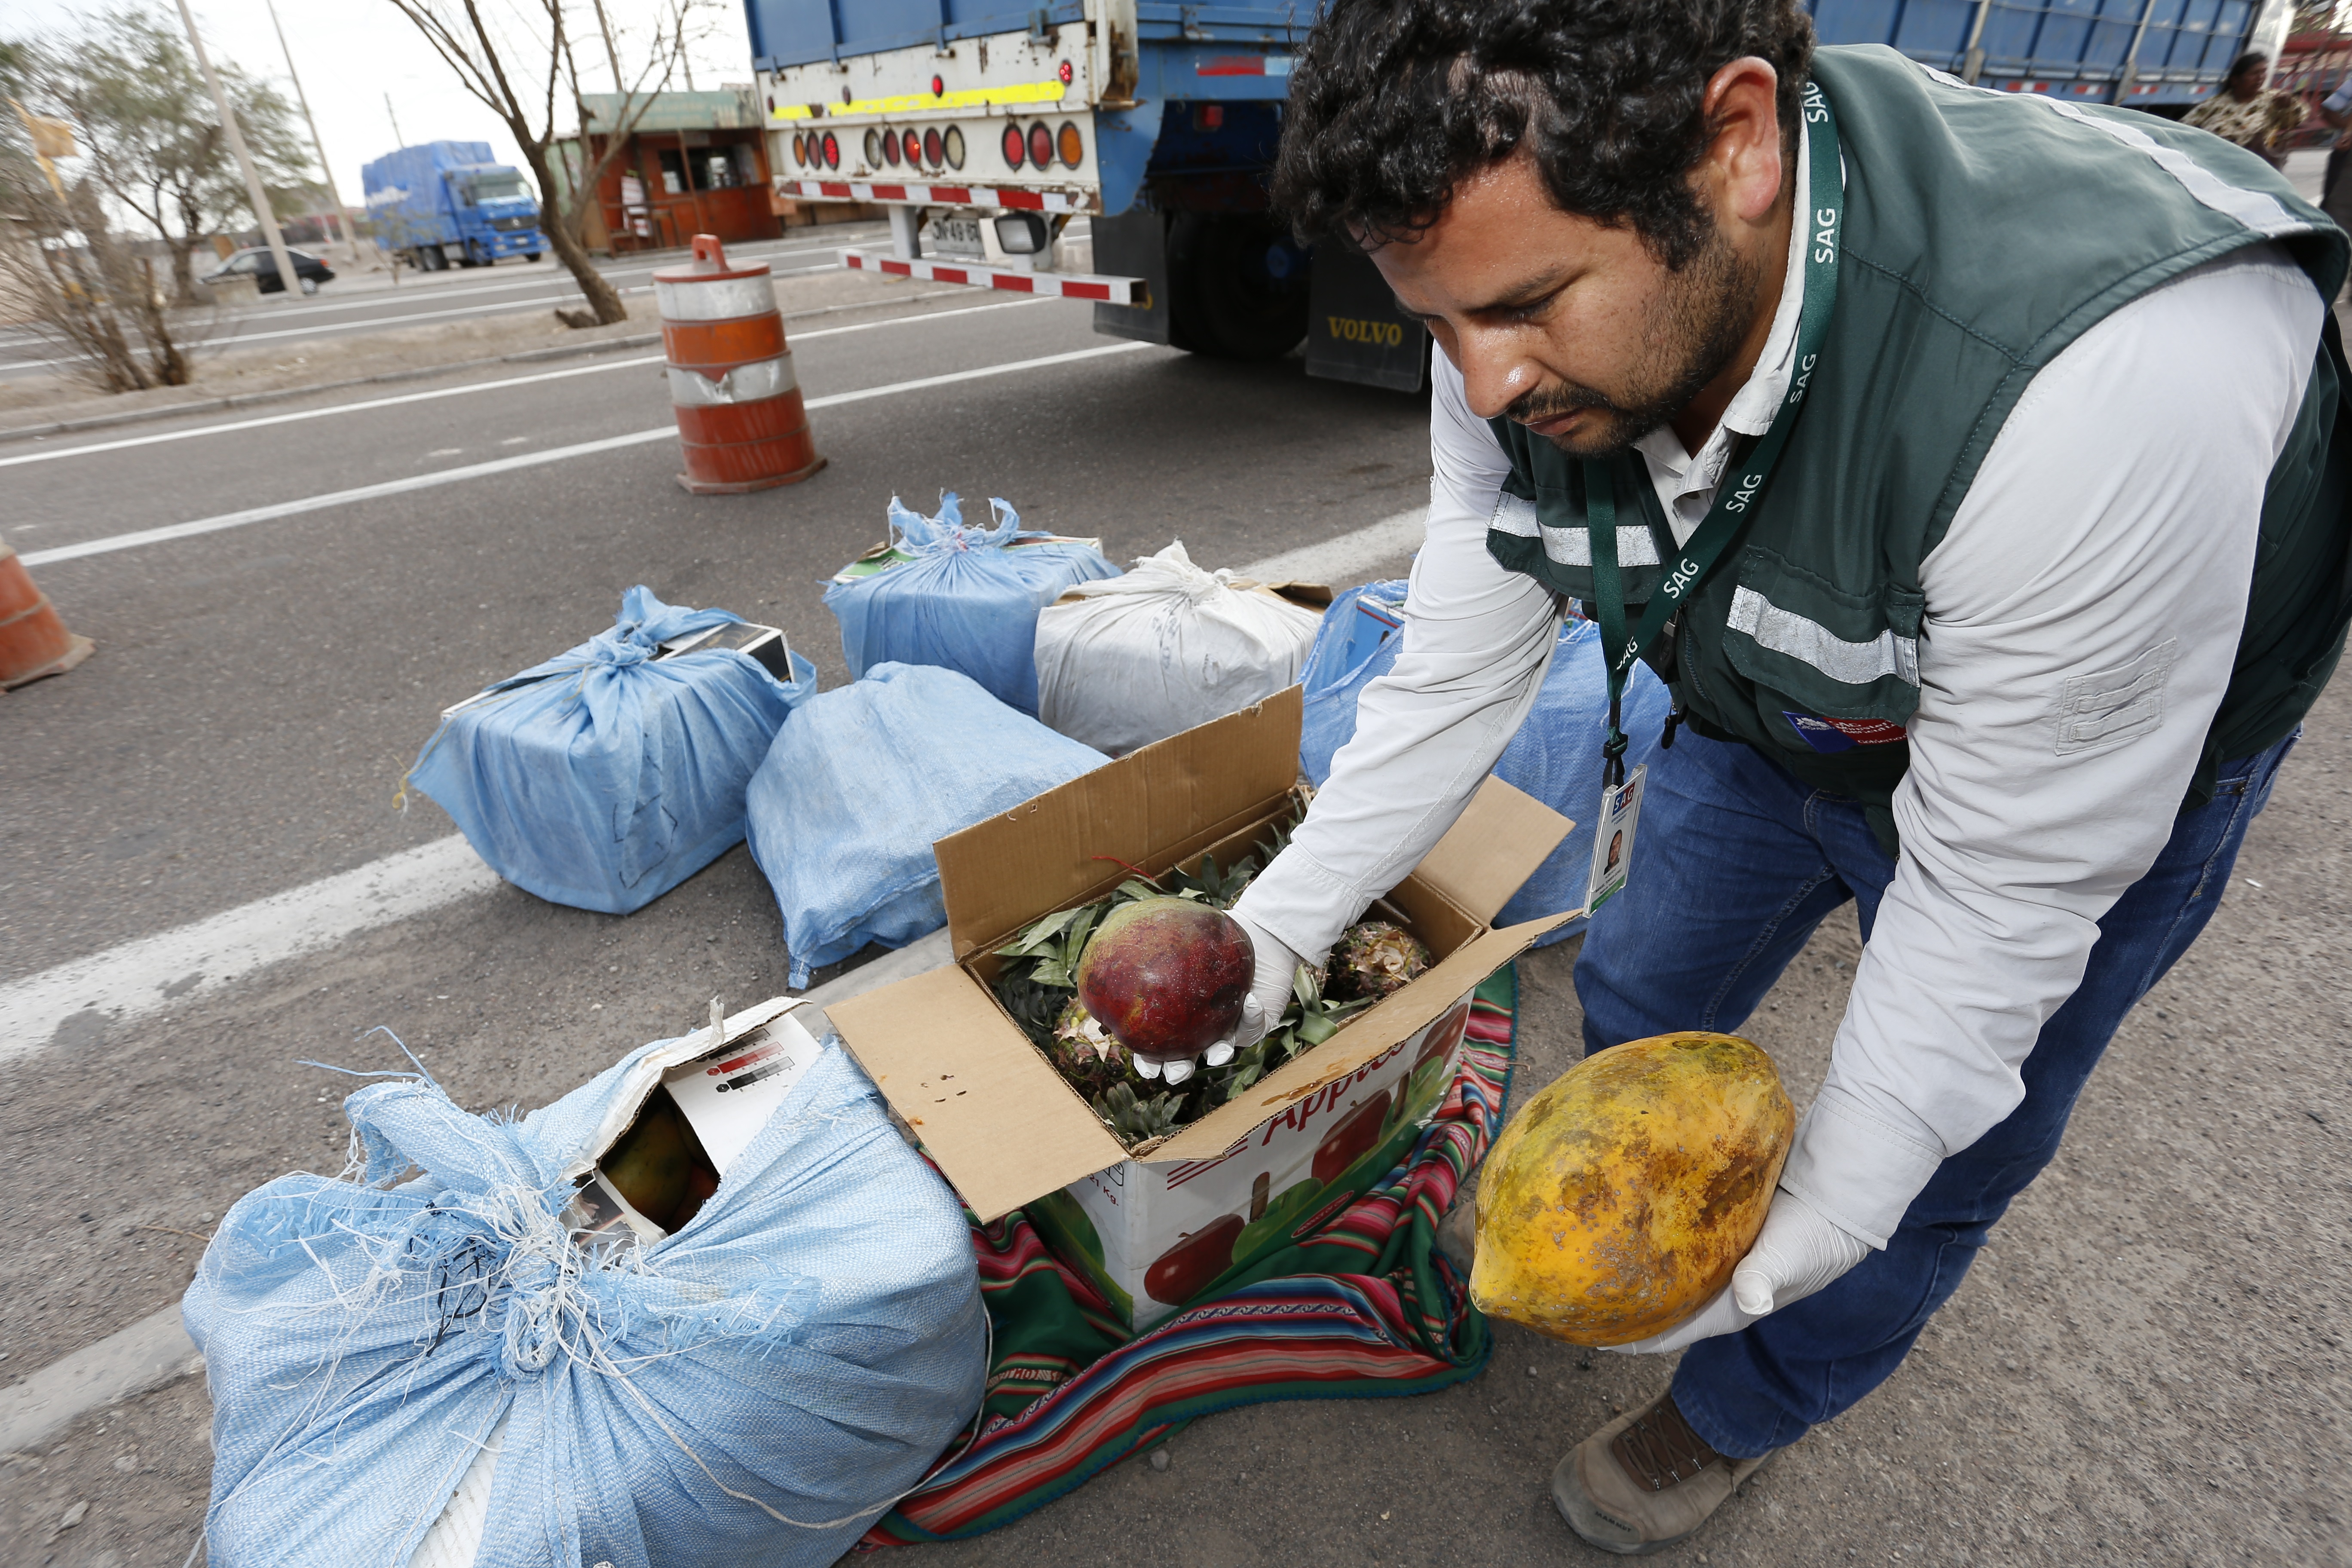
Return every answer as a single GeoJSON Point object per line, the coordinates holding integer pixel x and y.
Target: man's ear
{"type": "Point", "coordinates": [1746, 156]}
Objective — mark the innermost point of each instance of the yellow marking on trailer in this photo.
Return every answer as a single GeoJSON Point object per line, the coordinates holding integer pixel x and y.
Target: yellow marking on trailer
{"type": "Point", "coordinates": [921, 102]}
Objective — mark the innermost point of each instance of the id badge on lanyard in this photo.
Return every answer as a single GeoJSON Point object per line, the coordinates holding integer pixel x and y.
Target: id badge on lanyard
{"type": "Point", "coordinates": [1621, 798]}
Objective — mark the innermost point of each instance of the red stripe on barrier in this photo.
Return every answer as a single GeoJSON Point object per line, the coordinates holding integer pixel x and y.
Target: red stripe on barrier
{"type": "Point", "coordinates": [1014, 283]}
{"type": "Point", "coordinates": [1088, 292]}
{"type": "Point", "coordinates": [1024, 200]}
{"type": "Point", "coordinates": [953, 196]}
{"type": "Point", "coordinates": [834, 187]}
{"type": "Point", "coordinates": [893, 193]}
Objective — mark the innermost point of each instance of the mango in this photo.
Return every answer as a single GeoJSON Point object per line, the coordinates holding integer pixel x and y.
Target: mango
{"type": "Point", "coordinates": [1617, 1200]}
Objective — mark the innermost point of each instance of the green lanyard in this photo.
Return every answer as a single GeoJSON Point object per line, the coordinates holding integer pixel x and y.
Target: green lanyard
{"type": "Point", "coordinates": [1735, 497]}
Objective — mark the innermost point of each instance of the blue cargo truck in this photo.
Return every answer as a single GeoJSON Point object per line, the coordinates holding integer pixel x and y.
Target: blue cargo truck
{"type": "Point", "coordinates": [451, 202]}
{"type": "Point", "coordinates": [986, 127]}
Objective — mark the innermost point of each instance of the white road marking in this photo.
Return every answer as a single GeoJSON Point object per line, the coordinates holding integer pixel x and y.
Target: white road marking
{"type": "Point", "coordinates": [143, 977]}
{"type": "Point", "coordinates": [139, 977]}
{"type": "Point", "coordinates": [266, 419]}
{"type": "Point", "coordinates": [115, 542]}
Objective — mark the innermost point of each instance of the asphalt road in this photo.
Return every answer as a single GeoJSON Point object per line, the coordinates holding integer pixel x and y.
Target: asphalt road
{"type": "Point", "coordinates": [366, 301]}
{"type": "Point", "coordinates": [2149, 1366]}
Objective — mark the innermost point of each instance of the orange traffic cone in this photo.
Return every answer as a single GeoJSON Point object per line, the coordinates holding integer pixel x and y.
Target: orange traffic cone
{"type": "Point", "coordinates": [33, 641]}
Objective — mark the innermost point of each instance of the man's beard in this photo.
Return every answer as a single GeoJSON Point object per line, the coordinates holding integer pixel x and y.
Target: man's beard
{"type": "Point", "coordinates": [1695, 328]}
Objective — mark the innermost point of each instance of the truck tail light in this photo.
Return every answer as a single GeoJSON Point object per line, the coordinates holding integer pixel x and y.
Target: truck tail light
{"type": "Point", "coordinates": [890, 148]}
{"type": "Point", "coordinates": [952, 144]}
{"type": "Point", "coordinates": [832, 151]}
{"type": "Point", "coordinates": [1041, 146]}
{"type": "Point", "coordinates": [1014, 143]}
{"type": "Point", "coordinates": [799, 150]}
{"type": "Point", "coordinates": [934, 151]}
{"type": "Point", "coordinates": [1070, 144]}
{"type": "Point", "coordinates": [872, 148]}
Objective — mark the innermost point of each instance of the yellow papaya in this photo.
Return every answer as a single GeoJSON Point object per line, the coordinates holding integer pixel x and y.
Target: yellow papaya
{"type": "Point", "coordinates": [1617, 1202]}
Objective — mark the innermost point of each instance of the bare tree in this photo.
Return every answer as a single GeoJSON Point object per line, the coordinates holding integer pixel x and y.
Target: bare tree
{"type": "Point", "coordinates": [86, 289]}
{"type": "Point", "coordinates": [521, 81]}
{"type": "Point", "coordinates": [133, 94]}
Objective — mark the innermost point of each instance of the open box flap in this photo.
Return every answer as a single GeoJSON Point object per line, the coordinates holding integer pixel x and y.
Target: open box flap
{"type": "Point", "coordinates": [646, 1071]}
{"type": "Point", "coordinates": [1361, 1039]}
{"type": "Point", "coordinates": [991, 1111]}
{"type": "Point", "coordinates": [1496, 842]}
{"type": "Point", "coordinates": [1044, 854]}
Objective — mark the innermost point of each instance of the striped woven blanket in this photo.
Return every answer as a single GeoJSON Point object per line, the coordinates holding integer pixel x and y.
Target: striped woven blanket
{"type": "Point", "coordinates": [1365, 1308]}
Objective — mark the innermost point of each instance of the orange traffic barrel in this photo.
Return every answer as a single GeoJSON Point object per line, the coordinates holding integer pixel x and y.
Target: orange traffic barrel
{"type": "Point", "coordinates": [740, 416]}
{"type": "Point", "coordinates": [33, 641]}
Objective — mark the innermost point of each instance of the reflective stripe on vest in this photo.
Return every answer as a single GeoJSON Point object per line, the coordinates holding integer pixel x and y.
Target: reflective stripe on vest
{"type": "Point", "coordinates": [1569, 546]}
{"type": "Point", "coordinates": [1853, 663]}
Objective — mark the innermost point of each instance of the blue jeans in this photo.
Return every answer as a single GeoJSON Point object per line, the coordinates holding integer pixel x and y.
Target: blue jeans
{"type": "Point", "coordinates": [1737, 864]}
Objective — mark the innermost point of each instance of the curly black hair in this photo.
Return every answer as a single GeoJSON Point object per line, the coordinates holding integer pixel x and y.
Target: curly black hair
{"type": "Point", "coordinates": [1393, 102]}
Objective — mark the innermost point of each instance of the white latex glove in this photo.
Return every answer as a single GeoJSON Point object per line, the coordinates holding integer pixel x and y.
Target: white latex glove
{"type": "Point", "coordinates": [1798, 1252]}
{"type": "Point", "coordinates": [1269, 994]}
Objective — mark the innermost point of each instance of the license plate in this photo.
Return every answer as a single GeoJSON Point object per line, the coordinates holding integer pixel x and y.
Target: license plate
{"type": "Point", "coordinates": [953, 237]}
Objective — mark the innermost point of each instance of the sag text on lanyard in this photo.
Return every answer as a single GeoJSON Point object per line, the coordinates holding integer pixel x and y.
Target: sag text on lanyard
{"type": "Point", "coordinates": [1621, 801]}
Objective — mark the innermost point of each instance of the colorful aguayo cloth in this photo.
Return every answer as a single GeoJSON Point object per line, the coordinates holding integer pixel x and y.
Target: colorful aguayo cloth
{"type": "Point", "coordinates": [1365, 1309]}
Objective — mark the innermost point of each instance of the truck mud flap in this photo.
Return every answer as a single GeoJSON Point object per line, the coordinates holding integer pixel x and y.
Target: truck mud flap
{"type": "Point", "coordinates": [1134, 244]}
{"type": "Point", "coordinates": [1354, 329]}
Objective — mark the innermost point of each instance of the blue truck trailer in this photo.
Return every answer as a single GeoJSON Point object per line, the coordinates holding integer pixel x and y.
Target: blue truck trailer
{"type": "Point", "coordinates": [986, 127]}
{"type": "Point", "coordinates": [449, 202]}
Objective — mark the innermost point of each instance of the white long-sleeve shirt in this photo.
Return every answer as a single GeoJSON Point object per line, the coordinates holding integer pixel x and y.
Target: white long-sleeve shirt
{"type": "Point", "coordinates": [2107, 544]}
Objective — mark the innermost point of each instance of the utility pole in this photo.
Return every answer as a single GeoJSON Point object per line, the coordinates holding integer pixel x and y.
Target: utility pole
{"type": "Point", "coordinates": [398, 139]}
{"type": "Point", "coordinates": [290, 285]}
{"type": "Point", "coordinates": [326, 172]}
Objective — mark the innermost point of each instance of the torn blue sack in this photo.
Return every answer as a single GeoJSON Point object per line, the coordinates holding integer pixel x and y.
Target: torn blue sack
{"type": "Point", "coordinates": [967, 601]}
{"type": "Point", "coordinates": [862, 783]}
{"type": "Point", "coordinates": [1555, 756]}
{"type": "Point", "coordinates": [605, 777]}
{"type": "Point", "coordinates": [757, 1387]}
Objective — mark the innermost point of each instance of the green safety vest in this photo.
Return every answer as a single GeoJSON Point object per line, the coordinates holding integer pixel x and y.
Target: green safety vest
{"type": "Point", "coordinates": [1983, 233]}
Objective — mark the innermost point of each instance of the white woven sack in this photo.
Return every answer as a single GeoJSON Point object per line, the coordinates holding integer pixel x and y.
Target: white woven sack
{"type": "Point", "coordinates": [1129, 660]}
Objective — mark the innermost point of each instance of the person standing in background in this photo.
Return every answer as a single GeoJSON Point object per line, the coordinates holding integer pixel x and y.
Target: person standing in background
{"type": "Point", "coordinates": [2255, 116]}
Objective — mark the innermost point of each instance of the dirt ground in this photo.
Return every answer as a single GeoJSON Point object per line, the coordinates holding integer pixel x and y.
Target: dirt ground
{"type": "Point", "coordinates": [303, 362]}
{"type": "Point", "coordinates": [2148, 1365]}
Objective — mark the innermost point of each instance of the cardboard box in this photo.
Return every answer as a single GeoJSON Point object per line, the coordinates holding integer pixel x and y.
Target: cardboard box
{"type": "Point", "coordinates": [1163, 1224]}
{"type": "Point", "coordinates": [764, 645]}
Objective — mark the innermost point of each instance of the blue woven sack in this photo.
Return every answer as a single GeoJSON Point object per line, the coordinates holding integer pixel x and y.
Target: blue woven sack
{"type": "Point", "coordinates": [757, 1387]}
{"type": "Point", "coordinates": [862, 783]}
{"type": "Point", "coordinates": [605, 777]}
{"type": "Point", "coordinates": [1555, 756]}
{"type": "Point", "coordinates": [968, 601]}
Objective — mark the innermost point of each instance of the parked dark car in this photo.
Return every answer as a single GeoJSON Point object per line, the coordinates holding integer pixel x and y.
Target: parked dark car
{"type": "Point", "coordinates": [257, 264]}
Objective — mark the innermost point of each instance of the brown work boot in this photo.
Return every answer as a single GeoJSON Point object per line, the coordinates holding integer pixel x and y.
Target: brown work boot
{"type": "Point", "coordinates": [1644, 1481]}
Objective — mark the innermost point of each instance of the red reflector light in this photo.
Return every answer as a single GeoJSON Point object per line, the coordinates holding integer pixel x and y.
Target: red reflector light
{"type": "Point", "coordinates": [1041, 145]}
{"type": "Point", "coordinates": [938, 86]}
{"type": "Point", "coordinates": [890, 148]}
{"type": "Point", "coordinates": [1013, 145]}
{"type": "Point", "coordinates": [1066, 73]}
{"type": "Point", "coordinates": [1070, 144]}
{"type": "Point", "coordinates": [932, 151]}
{"type": "Point", "coordinates": [832, 151]}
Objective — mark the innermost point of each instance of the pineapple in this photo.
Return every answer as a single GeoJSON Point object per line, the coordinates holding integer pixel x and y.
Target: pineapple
{"type": "Point", "coordinates": [1135, 1120]}
{"type": "Point", "coordinates": [1085, 1055]}
{"type": "Point", "coordinates": [1374, 959]}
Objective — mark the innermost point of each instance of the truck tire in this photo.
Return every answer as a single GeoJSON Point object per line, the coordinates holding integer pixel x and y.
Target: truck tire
{"type": "Point", "coordinates": [530, 255]}
{"type": "Point", "coordinates": [1237, 285]}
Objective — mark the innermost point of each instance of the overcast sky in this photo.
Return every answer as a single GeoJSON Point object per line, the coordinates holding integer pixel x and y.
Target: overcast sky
{"type": "Point", "coordinates": [353, 53]}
